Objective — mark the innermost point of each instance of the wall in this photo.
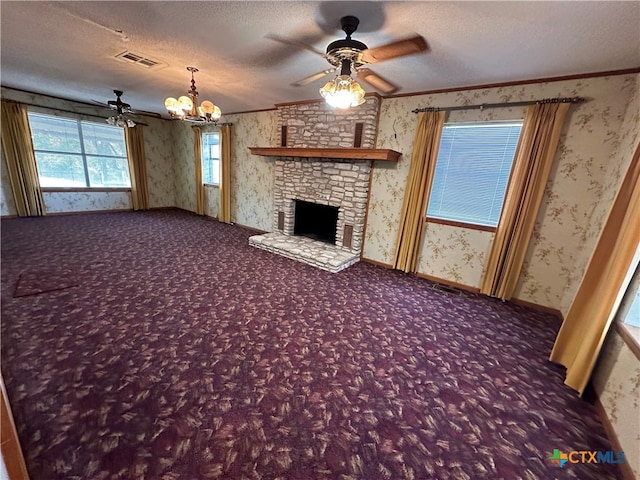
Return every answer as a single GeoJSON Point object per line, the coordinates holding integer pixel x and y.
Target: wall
{"type": "Point", "coordinates": [158, 150]}
{"type": "Point", "coordinates": [612, 171]}
{"type": "Point", "coordinates": [617, 384]}
{"type": "Point", "coordinates": [587, 146]}
{"type": "Point", "coordinates": [616, 378]}
{"type": "Point", "coordinates": [185, 169]}
{"type": "Point", "coordinates": [252, 175]}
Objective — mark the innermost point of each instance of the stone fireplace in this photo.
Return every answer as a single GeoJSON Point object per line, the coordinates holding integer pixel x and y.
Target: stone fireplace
{"type": "Point", "coordinates": [342, 184]}
{"type": "Point", "coordinates": [324, 159]}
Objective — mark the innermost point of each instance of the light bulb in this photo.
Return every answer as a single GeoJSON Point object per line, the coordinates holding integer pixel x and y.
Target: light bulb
{"type": "Point", "coordinates": [217, 113]}
{"type": "Point", "coordinates": [207, 106]}
{"type": "Point", "coordinates": [343, 92]}
{"type": "Point", "coordinates": [185, 103]}
{"type": "Point", "coordinates": [171, 104]}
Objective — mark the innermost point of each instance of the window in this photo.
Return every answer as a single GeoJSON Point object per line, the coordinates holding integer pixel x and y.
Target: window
{"type": "Point", "coordinates": [75, 153]}
{"type": "Point", "coordinates": [211, 158]}
{"type": "Point", "coordinates": [633, 315]}
{"type": "Point", "coordinates": [630, 307]}
{"type": "Point", "coordinates": [472, 170]}
{"type": "Point", "coordinates": [628, 314]}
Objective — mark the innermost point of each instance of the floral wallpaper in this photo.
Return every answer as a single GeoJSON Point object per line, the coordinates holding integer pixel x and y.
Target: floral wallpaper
{"type": "Point", "coordinates": [613, 168]}
{"type": "Point", "coordinates": [577, 180]}
{"type": "Point", "coordinates": [158, 149]}
{"type": "Point", "coordinates": [211, 201]}
{"type": "Point", "coordinates": [59, 202]}
{"type": "Point", "coordinates": [252, 176]}
{"type": "Point", "coordinates": [455, 254]}
{"type": "Point", "coordinates": [184, 168]}
{"type": "Point", "coordinates": [617, 383]}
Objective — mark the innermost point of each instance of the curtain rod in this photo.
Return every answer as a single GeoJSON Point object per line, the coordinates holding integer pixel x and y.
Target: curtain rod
{"type": "Point", "coordinates": [501, 105]}
{"type": "Point", "coordinates": [216, 124]}
{"type": "Point", "coordinates": [55, 109]}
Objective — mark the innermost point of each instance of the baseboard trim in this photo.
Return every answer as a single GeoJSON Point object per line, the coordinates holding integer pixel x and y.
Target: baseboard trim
{"type": "Point", "coordinates": [625, 468]}
{"type": "Point", "coordinates": [84, 212]}
{"type": "Point", "coordinates": [449, 283]}
{"type": "Point", "coordinates": [376, 263]}
{"type": "Point", "coordinates": [424, 276]}
{"type": "Point", "coordinates": [253, 229]}
{"type": "Point", "coordinates": [468, 288]}
{"type": "Point", "coordinates": [542, 308]}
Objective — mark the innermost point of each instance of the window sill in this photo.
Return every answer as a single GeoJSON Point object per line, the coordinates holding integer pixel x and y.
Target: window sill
{"type": "Point", "coordinates": [85, 189]}
{"type": "Point", "coordinates": [631, 336]}
{"type": "Point", "coordinates": [211, 185]}
{"type": "Point", "coordinates": [452, 223]}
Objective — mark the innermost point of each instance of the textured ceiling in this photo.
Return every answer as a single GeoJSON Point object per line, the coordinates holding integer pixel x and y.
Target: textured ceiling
{"type": "Point", "coordinates": [66, 49]}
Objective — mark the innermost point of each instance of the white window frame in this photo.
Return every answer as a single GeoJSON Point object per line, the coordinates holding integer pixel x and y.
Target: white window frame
{"type": "Point", "coordinates": [83, 155]}
{"type": "Point", "coordinates": [206, 157]}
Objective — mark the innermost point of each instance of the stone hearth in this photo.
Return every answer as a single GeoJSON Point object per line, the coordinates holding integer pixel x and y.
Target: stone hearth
{"type": "Point", "coordinates": [312, 252]}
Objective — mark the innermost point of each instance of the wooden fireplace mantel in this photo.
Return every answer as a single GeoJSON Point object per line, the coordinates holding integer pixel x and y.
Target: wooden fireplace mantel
{"type": "Point", "coordinates": [338, 153]}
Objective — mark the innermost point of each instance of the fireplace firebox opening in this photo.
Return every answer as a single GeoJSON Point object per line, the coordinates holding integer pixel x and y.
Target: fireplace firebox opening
{"type": "Point", "coordinates": [315, 221]}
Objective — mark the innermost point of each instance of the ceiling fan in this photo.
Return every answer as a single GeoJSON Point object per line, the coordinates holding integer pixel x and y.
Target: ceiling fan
{"type": "Point", "coordinates": [118, 105]}
{"type": "Point", "coordinates": [124, 114]}
{"type": "Point", "coordinates": [122, 119]}
{"type": "Point", "coordinates": [348, 54]}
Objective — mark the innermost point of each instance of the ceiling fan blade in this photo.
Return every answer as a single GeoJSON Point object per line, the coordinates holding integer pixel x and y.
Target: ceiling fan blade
{"type": "Point", "coordinates": [294, 43]}
{"type": "Point", "coordinates": [145, 113]}
{"type": "Point", "coordinates": [313, 78]}
{"type": "Point", "coordinates": [397, 49]}
{"type": "Point", "coordinates": [376, 81]}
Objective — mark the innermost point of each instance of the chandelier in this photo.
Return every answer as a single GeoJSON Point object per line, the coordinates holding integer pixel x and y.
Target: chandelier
{"type": "Point", "coordinates": [343, 91]}
{"type": "Point", "coordinates": [186, 107]}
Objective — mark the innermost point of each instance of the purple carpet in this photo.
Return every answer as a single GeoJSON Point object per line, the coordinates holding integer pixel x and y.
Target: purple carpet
{"type": "Point", "coordinates": [183, 353]}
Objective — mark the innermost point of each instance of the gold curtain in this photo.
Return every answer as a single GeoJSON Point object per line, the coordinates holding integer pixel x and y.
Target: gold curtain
{"type": "Point", "coordinates": [534, 155]}
{"type": "Point", "coordinates": [416, 197]}
{"type": "Point", "coordinates": [225, 174]}
{"type": "Point", "coordinates": [21, 161]}
{"type": "Point", "coordinates": [197, 146]}
{"type": "Point", "coordinates": [586, 325]}
{"type": "Point", "coordinates": [134, 140]}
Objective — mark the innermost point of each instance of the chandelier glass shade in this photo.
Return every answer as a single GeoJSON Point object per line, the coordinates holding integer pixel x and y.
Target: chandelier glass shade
{"type": "Point", "coordinates": [186, 107]}
{"type": "Point", "coordinates": [343, 92]}
{"type": "Point", "coordinates": [121, 120]}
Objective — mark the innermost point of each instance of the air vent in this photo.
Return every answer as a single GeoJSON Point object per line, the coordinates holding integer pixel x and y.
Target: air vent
{"type": "Point", "coordinates": [138, 59]}
{"type": "Point", "coordinates": [446, 288]}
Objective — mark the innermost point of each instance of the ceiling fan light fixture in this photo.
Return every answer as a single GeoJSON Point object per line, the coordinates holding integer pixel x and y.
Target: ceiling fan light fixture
{"type": "Point", "coordinates": [343, 92]}
{"type": "Point", "coordinates": [186, 107]}
{"type": "Point", "coordinates": [121, 121]}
